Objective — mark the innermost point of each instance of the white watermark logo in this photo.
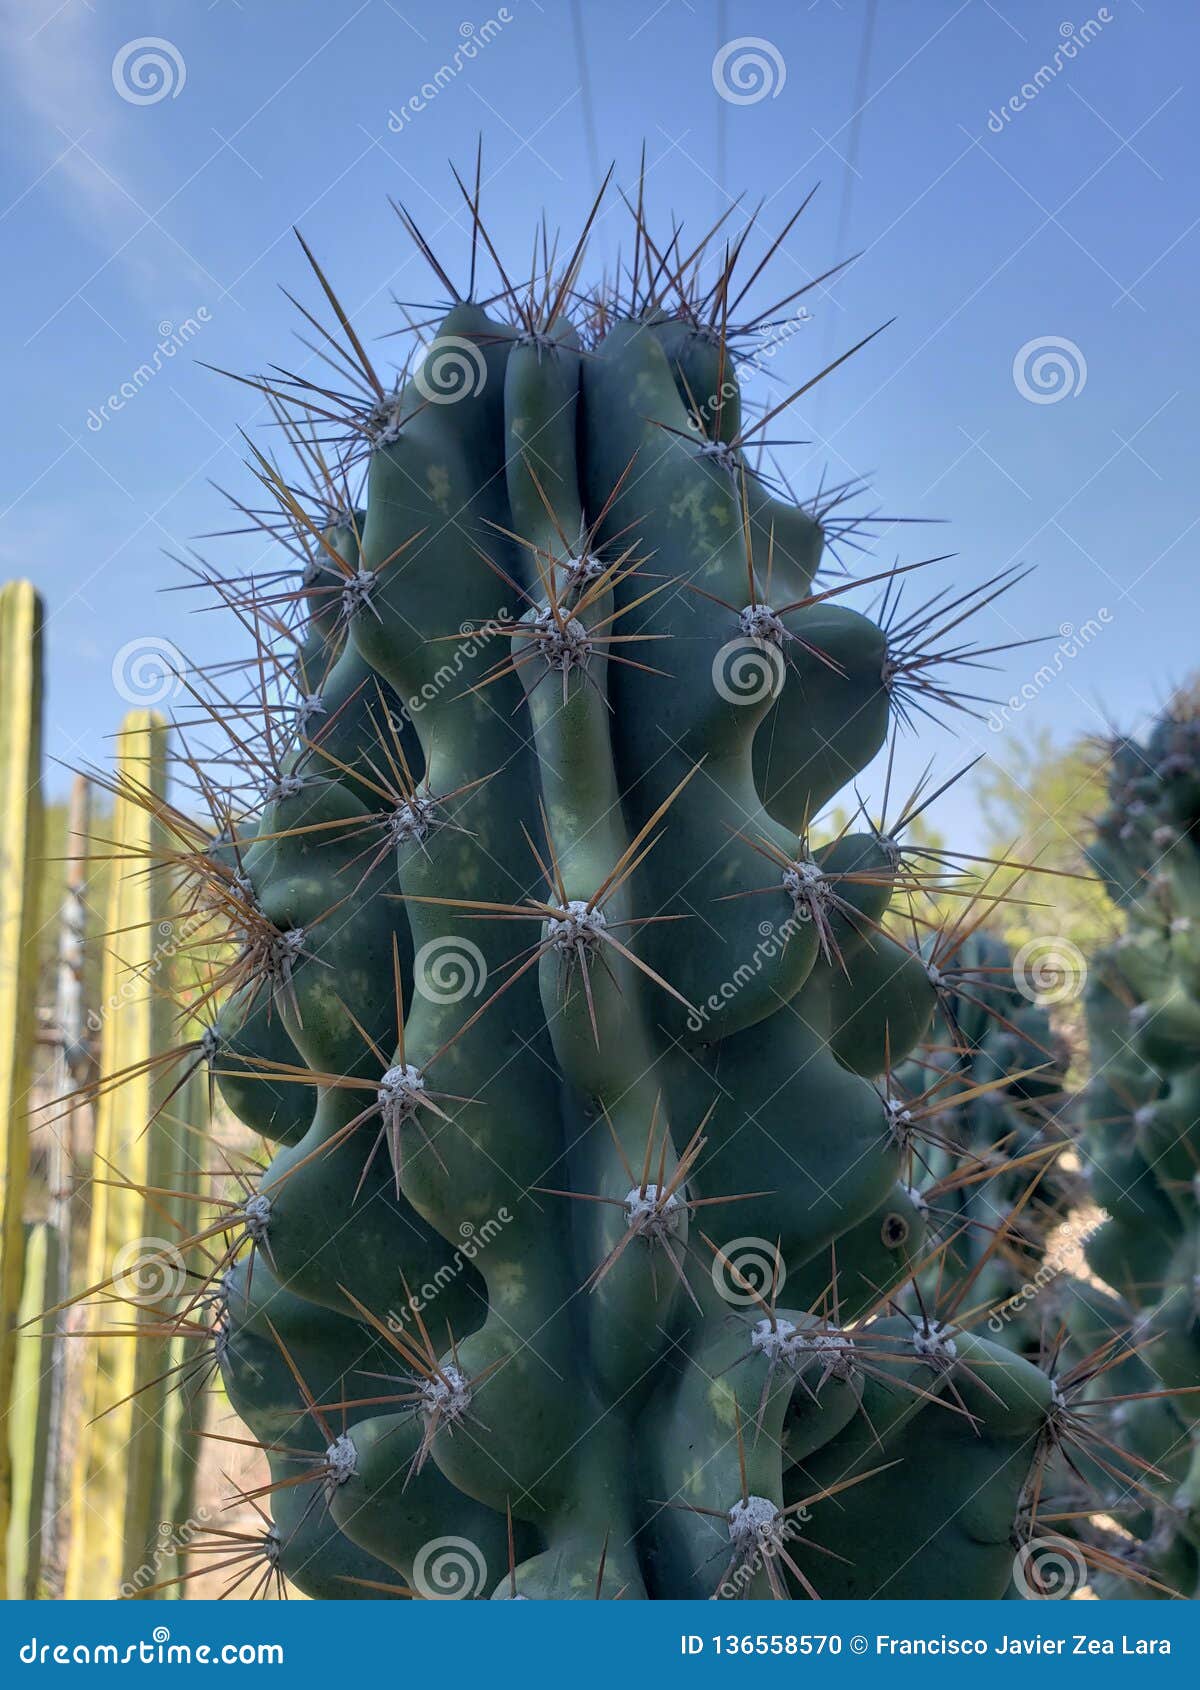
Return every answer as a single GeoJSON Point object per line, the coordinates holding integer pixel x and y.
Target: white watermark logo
{"type": "Point", "coordinates": [473, 1241]}
{"type": "Point", "coordinates": [748, 670]}
{"type": "Point", "coordinates": [148, 70]}
{"type": "Point", "coordinates": [472, 37]}
{"type": "Point", "coordinates": [148, 670]}
{"type": "Point", "coordinates": [1072, 37]}
{"type": "Point", "coordinates": [1049, 970]}
{"type": "Point", "coordinates": [172, 338]}
{"type": "Point", "coordinates": [771, 941]}
{"type": "Point", "coordinates": [1050, 1270]}
{"type": "Point", "coordinates": [448, 969]}
{"type": "Point", "coordinates": [173, 1540]}
{"type": "Point", "coordinates": [452, 369]}
{"type": "Point", "coordinates": [1047, 1569]}
{"type": "Point", "coordinates": [1071, 642]}
{"type": "Point", "coordinates": [450, 1569]}
{"type": "Point", "coordinates": [747, 1270]}
{"type": "Point", "coordinates": [748, 70]}
{"type": "Point", "coordinates": [147, 1270]}
{"type": "Point", "coordinates": [1048, 369]}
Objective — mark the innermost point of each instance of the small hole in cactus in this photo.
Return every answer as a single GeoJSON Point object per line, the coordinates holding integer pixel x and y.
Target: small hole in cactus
{"type": "Point", "coordinates": [894, 1231]}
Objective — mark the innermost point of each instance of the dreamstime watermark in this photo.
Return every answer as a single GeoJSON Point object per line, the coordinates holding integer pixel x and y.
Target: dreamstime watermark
{"type": "Point", "coordinates": [750, 364]}
{"type": "Point", "coordinates": [147, 1271]}
{"type": "Point", "coordinates": [450, 1569]}
{"type": "Point", "coordinates": [1049, 970]}
{"type": "Point", "coordinates": [774, 340]}
{"type": "Point", "coordinates": [452, 369]}
{"type": "Point", "coordinates": [474, 639]}
{"type": "Point", "coordinates": [1047, 1569]}
{"type": "Point", "coordinates": [772, 940]}
{"type": "Point", "coordinates": [173, 1540]}
{"type": "Point", "coordinates": [473, 1241]}
{"type": "Point", "coordinates": [172, 338]}
{"type": "Point", "coordinates": [448, 969]}
{"type": "Point", "coordinates": [1049, 368]}
{"type": "Point", "coordinates": [156, 1650]}
{"type": "Point", "coordinates": [749, 70]}
{"type": "Point", "coordinates": [138, 981]}
{"type": "Point", "coordinates": [738, 1582]}
{"type": "Point", "coordinates": [1051, 1268]}
{"type": "Point", "coordinates": [474, 37]}
{"type": "Point", "coordinates": [748, 1270]}
{"type": "Point", "coordinates": [1072, 641]}
{"type": "Point", "coordinates": [148, 670]}
{"type": "Point", "coordinates": [1073, 37]}
{"type": "Point", "coordinates": [148, 70]}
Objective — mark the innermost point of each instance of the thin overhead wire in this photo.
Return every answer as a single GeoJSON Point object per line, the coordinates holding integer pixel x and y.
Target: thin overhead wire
{"type": "Point", "coordinates": [846, 201]}
{"type": "Point", "coordinates": [585, 93]}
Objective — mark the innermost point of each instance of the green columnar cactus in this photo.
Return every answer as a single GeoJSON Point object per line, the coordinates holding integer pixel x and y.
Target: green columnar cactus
{"type": "Point", "coordinates": [72, 1068]}
{"type": "Point", "coordinates": [136, 1225]}
{"type": "Point", "coordinates": [1143, 1146]}
{"type": "Point", "coordinates": [29, 1415]}
{"type": "Point", "coordinates": [20, 863]}
{"type": "Point", "coordinates": [575, 1058]}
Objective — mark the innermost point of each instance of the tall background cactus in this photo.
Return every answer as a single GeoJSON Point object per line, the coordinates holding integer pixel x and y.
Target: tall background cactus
{"type": "Point", "coordinates": [132, 1469]}
{"type": "Point", "coordinates": [591, 1257]}
{"type": "Point", "coordinates": [20, 858]}
{"type": "Point", "coordinates": [1142, 1147]}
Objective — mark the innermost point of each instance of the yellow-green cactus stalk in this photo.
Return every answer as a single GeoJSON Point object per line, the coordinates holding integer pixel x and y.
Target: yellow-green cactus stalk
{"type": "Point", "coordinates": [20, 857]}
{"type": "Point", "coordinates": [117, 1480]}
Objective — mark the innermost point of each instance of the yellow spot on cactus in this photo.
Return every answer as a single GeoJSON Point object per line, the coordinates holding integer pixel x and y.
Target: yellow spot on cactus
{"type": "Point", "coordinates": [438, 477]}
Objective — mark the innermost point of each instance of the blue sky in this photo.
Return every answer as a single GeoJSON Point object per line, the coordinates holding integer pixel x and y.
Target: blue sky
{"type": "Point", "coordinates": [986, 224]}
